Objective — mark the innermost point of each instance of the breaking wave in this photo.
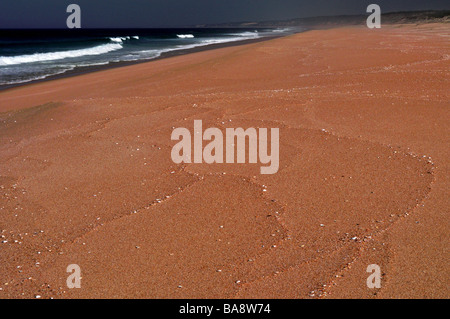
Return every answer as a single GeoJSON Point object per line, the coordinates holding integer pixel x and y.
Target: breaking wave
{"type": "Point", "coordinates": [185, 36]}
{"type": "Point", "coordinates": [51, 56]}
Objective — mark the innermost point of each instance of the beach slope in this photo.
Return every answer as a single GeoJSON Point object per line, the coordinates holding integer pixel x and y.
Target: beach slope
{"type": "Point", "coordinates": [87, 178]}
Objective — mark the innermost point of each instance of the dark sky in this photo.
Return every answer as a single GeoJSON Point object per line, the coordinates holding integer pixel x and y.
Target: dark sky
{"type": "Point", "coordinates": [174, 13]}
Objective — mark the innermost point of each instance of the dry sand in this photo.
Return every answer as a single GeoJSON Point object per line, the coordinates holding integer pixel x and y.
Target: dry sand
{"type": "Point", "coordinates": [86, 175]}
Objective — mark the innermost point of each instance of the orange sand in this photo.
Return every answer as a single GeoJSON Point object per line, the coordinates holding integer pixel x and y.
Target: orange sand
{"type": "Point", "coordinates": [86, 175]}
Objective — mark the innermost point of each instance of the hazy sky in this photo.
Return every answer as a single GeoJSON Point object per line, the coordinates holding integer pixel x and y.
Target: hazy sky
{"type": "Point", "coordinates": [174, 13]}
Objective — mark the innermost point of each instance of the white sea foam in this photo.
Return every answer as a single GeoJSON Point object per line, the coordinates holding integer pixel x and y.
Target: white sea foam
{"type": "Point", "coordinates": [247, 34]}
{"type": "Point", "coordinates": [155, 53]}
{"type": "Point", "coordinates": [143, 55]}
{"type": "Point", "coordinates": [116, 40]}
{"type": "Point", "coordinates": [237, 37]}
{"type": "Point", "coordinates": [185, 36]}
{"type": "Point", "coordinates": [205, 42]}
{"type": "Point", "coordinates": [35, 78]}
{"type": "Point", "coordinates": [62, 69]}
{"type": "Point", "coordinates": [281, 30]}
{"type": "Point", "coordinates": [51, 56]}
{"type": "Point", "coordinates": [121, 39]}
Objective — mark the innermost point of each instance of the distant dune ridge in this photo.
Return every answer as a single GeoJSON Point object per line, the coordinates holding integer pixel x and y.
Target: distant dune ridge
{"type": "Point", "coordinates": [438, 16]}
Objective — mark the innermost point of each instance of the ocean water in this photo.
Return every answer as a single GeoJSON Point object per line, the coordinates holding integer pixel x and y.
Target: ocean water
{"type": "Point", "coordinates": [28, 55]}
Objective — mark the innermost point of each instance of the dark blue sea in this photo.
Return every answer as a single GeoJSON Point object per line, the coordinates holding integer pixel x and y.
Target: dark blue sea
{"type": "Point", "coordinates": [28, 55]}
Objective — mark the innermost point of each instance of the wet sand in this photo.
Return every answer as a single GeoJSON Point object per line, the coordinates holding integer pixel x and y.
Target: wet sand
{"type": "Point", "coordinates": [87, 178]}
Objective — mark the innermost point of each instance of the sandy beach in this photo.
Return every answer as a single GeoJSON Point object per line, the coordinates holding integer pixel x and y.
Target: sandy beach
{"type": "Point", "coordinates": [86, 175]}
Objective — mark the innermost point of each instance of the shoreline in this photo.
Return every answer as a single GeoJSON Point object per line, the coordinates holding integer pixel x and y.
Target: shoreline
{"type": "Point", "coordinates": [114, 65]}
